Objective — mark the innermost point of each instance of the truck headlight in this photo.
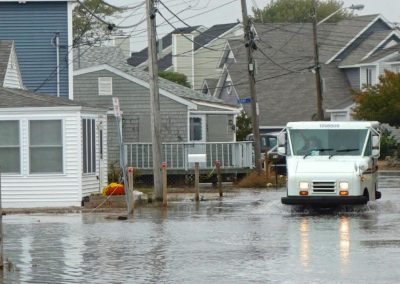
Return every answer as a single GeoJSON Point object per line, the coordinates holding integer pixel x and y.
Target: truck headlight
{"type": "Point", "coordinates": [303, 185]}
{"type": "Point", "coordinates": [344, 185]}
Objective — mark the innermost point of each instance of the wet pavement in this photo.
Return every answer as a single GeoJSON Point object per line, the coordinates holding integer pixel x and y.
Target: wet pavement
{"type": "Point", "coordinates": [247, 238]}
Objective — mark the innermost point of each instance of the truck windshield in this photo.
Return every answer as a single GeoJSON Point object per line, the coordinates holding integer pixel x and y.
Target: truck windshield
{"type": "Point", "coordinates": [327, 142]}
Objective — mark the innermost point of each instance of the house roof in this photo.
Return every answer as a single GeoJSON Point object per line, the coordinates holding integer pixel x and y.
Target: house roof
{"type": "Point", "coordinates": [344, 32]}
{"type": "Point", "coordinates": [212, 33]}
{"type": "Point", "coordinates": [368, 45]}
{"type": "Point", "coordinates": [384, 53]}
{"type": "Point", "coordinates": [5, 51]}
{"type": "Point", "coordinates": [114, 57]}
{"type": "Point", "coordinates": [139, 57]}
{"type": "Point", "coordinates": [16, 98]}
{"type": "Point", "coordinates": [284, 84]}
{"type": "Point", "coordinates": [200, 40]}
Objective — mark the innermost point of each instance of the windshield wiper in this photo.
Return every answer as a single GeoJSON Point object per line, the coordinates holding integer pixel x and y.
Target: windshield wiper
{"type": "Point", "coordinates": [342, 151]}
{"type": "Point", "coordinates": [316, 149]}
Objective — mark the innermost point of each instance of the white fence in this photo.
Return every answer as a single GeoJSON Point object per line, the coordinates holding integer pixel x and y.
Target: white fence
{"type": "Point", "coordinates": [234, 155]}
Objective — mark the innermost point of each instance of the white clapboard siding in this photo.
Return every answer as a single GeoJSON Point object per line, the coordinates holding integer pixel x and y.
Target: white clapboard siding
{"type": "Point", "coordinates": [12, 78]}
{"type": "Point", "coordinates": [27, 190]}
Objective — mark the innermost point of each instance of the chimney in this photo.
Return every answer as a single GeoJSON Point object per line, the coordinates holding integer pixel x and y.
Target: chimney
{"type": "Point", "coordinates": [123, 42]}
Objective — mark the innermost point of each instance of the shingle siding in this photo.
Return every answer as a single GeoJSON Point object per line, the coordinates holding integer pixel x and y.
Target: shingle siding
{"type": "Point", "coordinates": [353, 76]}
{"type": "Point", "coordinates": [220, 131]}
{"type": "Point", "coordinates": [135, 105]}
{"type": "Point", "coordinates": [32, 26]}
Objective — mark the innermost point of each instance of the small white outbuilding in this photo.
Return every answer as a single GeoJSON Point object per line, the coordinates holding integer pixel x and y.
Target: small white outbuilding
{"type": "Point", "coordinates": [53, 151]}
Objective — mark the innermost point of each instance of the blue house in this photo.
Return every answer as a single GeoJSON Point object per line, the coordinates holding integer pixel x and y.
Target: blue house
{"type": "Point", "coordinates": [42, 33]}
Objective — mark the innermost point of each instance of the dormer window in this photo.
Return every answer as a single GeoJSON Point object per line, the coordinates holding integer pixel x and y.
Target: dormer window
{"type": "Point", "coordinates": [105, 86]}
{"type": "Point", "coordinates": [205, 90]}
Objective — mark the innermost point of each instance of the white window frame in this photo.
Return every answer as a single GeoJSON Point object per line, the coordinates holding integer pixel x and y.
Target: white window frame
{"type": "Point", "coordinates": [61, 145]}
{"type": "Point", "coordinates": [203, 128]}
{"type": "Point", "coordinates": [368, 78]}
{"type": "Point", "coordinates": [14, 146]}
{"type": "Point", "coordinates": [89, 148]}
{"type": "Point", "coordinates": [103, 91]}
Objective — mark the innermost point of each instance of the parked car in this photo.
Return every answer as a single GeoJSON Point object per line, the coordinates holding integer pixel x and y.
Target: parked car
{"type": "Point", "coordinates": [268, 144]}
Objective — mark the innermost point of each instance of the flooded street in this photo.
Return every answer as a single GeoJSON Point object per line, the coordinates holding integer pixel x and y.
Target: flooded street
{"type": "Point", "coordinates": [249, 238]}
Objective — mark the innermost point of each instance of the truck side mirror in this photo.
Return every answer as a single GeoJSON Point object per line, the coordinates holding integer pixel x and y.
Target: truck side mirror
{"type": "Point", "coordinates": [282, 150]}
{"type": "Point", "coordinates": [375, 142]}
{"type": "Point", "coordinates": [281, 140]}
{"type": "Point", "coordinates": [375, 146]}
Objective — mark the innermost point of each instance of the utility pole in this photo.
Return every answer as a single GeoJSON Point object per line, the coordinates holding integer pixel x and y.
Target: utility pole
{"type": "Point", "coordinates": [320, 111]}
{"type": "Point", "coordinates": [249, 38]}
{"type": "Point", "coordinates": [154, 99]}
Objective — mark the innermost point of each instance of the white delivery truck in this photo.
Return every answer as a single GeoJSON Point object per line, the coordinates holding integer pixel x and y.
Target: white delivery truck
{"type": "Point", "coordinates": [330, 163]}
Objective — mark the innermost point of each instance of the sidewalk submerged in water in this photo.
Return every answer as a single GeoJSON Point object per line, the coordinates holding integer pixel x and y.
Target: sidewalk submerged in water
{"type": "Point", "coordinates": [207, 193]}
{"type": "Point", "coordinates": [102, 204]}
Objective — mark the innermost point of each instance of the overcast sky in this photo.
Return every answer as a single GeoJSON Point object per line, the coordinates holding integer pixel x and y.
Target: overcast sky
{"type": "Point", "coordinates": [211, 12]}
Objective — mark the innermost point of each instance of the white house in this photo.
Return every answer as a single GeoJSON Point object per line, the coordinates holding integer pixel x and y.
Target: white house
{"type": "Point", "coordinates": [53, 151]}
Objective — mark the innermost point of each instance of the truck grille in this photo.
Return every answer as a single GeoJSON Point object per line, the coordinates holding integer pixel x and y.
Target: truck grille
{"type": "Point", "coordinates": [323, 186]}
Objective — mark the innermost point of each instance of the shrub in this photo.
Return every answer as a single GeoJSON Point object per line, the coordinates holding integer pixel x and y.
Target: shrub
{"type": "Point", "coordinates": [254, 179]}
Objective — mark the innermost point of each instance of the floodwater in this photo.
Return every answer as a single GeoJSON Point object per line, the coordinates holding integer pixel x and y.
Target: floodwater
{"type": "Point", "coordinates": [248, 238]}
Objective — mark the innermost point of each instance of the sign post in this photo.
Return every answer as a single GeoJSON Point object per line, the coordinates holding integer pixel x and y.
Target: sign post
{"type": "Point", "coordinates": [122, 164]}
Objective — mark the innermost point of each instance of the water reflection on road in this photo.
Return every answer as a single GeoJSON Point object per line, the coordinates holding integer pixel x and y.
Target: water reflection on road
{"type": "Point", "coordinates": [249, 238]}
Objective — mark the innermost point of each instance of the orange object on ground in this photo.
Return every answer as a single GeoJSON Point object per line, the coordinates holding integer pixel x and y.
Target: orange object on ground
{"type": "Point", "coordinates": [114, 189]}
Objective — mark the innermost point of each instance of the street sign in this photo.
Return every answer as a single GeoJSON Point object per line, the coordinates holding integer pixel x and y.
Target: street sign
{"type": "Point", "coordinates": [244, 101]}
{"type": "Point", "coordinates": [117, 110]}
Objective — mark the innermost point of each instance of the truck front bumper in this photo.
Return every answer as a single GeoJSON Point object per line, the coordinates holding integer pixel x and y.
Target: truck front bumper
{"type": "Point", "coordinates": [324, 200]}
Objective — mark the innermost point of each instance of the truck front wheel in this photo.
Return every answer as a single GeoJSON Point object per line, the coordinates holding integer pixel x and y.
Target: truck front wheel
{"type": "Point", "coordinates": [366, 194]}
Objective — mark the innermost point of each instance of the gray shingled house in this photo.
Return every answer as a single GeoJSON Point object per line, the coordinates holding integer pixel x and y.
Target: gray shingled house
{"type": "Point", "coordinates": [191, 121]}
{"type": "Point", "coordinates": [50, 148]}
{"type": "Point", "coordinates": [353, 52]}
{"type": "Point", "coordinates": [193, 51]}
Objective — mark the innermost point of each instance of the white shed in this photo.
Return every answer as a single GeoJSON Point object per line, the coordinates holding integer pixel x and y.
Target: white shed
{"type": "Point", "coordinates": [53, 151]}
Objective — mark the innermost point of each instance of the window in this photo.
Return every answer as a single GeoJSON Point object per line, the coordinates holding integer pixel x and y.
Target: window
{"type": "Point", "coordinates": [45, 146]}
{"type": "Point", "coordinates": [89, 145]}
{"type": "Point", "coordinates": [197, 129]}
{"type": "Point", "coordinates": [368, 72]}
{"type": "Point", "coordinates": [229, 87]}
{"type": "Point", "coordinates": [9, 147]}
{"type": "Point", "coordinates": [105, 86]}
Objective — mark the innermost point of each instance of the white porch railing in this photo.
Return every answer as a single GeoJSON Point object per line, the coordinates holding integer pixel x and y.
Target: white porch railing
{"type": "Point", "coordinates": [234, 155]}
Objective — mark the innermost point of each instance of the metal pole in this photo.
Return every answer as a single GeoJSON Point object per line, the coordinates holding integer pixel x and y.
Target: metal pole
{"type": "Point", "coordinates": [249, 38]}
{"type": "Point", "coordinates": [154, 99]}
{"type": "Point", "coordinates": [128, 193]}
{"type": "Point", "coordinates": [320, 111]}
{"type": "Point", "coordinates": [58, 62]}
{"type": "Point", "coordinates": [165, 184]}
